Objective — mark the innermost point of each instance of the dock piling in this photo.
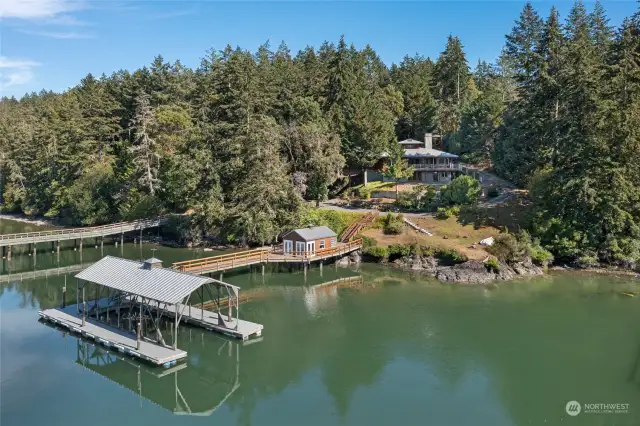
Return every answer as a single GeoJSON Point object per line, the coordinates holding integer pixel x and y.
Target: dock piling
{"type": "Point", "coordinates": [84, 309]}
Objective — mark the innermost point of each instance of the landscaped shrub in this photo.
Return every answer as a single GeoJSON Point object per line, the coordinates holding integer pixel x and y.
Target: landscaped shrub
{"type": "Point", "coordinates": [492, 265]}
{"type": "Point", "coordinates": [461, 190]}
{"type": "Point", "coordinates": [395, 251]}
{"type": "Point", "coordinates": [378, 253]}
{"type": "Point", "coordinates": [450, 256]}
{"type": "Point", "coordinates": [393, 225]}
{"type": "Point", "coordinates": [447, 212]}
{"type": "Point", "coordinates": [368, 241]}
{"type": "Point", "coordinates": [445, 256]}
{"type": "Point", "coordinates": [510, 248]}
{"type": "Point", "coordinates": [541, 256]}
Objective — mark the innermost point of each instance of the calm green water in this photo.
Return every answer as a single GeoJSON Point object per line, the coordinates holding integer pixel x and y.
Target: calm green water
{"type": "Point", "coordinates": [393, 349]}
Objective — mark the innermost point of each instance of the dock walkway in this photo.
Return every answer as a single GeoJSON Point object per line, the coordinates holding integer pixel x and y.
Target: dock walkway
{"type": "Point", "coordinates": [64, 234]}
{"type": "Point", "coordinates": [225, 262]}
{"type": "Point", "coordinates": [112, 337]}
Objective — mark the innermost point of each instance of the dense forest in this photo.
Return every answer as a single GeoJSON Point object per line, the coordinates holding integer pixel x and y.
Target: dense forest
{"type": "Point", "coordinates": [247, 137]}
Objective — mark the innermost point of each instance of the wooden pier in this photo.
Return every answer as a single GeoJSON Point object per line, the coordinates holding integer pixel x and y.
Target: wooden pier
{"type": "Point", "coordinates": [225, 262]}
{"type": "Point", "coordinates": [65, 234]}
{"type": "Point", "coordinates": [112, 337]}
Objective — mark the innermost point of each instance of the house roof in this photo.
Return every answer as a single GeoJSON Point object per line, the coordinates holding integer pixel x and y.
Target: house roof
{"type": "Point", "coordinates": [411, 142]}
{"type": "Point", "coordinates": [426, 152]}
{"type": "Point", "coordinates": [161, 284]}
{"type": "Point", "coordinates": [315, 232]}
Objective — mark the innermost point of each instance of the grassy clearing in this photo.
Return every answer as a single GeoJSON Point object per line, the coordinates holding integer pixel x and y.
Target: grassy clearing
{"type": "Point", "coordinates": [447, 234]}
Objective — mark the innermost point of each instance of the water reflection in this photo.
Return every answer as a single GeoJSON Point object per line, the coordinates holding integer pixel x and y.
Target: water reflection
{"type": "Point", "coordinates": [178, 389]}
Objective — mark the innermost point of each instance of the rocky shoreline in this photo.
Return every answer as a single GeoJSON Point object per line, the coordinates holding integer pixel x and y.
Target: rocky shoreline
{"type": "Point", "coordinates": [469, 272]}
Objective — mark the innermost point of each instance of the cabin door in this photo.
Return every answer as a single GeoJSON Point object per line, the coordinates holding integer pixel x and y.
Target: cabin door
{"type": "Point", "coordinates": [311, 248]}
{"type": "Point", "coordinates": [299, 248]}
{"type": "Point", "coordinates": [288, 246]}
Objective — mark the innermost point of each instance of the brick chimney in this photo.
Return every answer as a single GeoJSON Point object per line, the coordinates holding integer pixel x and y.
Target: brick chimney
{"type": "Point", "coordinates": [428, 140]}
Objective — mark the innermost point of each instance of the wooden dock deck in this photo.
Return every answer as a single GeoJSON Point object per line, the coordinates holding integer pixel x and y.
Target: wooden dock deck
{"type": "Point", "coordinates": [203, 318]}
{"type": "Point", "coordinates": [112, 337]}
{"type": "Point", "coordinates": [211, 321]}
{"type": "Point", "coordinates": [225, 262]}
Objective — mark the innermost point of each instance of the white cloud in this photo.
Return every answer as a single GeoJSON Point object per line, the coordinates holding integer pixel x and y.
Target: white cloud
{"type": "Point", "coordinates": [59, 35]}
{"type": "Point", "coordinates": [66, 20]}
{"type": "Point", "coordinates": [14, 71]}
{"type": "Point", "coordinates": [30, 9]}
{"type": "Point", "coordinates": [16, 63]}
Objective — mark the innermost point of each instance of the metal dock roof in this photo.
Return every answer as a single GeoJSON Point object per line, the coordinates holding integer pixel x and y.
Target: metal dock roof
{"type": "Point", "coordinates": [160, 284]}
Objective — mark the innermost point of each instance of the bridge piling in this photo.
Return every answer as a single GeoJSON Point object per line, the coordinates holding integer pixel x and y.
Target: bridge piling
{"type": "Point", "coordinates": [9, 253]}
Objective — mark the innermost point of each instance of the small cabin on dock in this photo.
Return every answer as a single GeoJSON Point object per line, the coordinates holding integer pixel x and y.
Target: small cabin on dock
{"type": "Point", "coordinates": [309, 241]}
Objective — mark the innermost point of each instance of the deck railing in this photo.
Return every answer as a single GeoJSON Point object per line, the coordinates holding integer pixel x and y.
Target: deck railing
{"type": "Point", "coordinates": [235, 259]}
{"type": "Point", "coordinates": [260, 255]}
{"type": "Point", "coordinates": [444, 167]}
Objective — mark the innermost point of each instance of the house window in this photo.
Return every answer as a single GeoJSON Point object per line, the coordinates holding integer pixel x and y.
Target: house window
{"type": "Point", "coordinates": [321, 244]}
{"type": "Point", "coordinates": [334, 241]}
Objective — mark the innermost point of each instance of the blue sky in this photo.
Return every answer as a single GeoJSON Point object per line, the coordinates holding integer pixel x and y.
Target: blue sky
{"type": "Point", "coordinates": [52, 44]}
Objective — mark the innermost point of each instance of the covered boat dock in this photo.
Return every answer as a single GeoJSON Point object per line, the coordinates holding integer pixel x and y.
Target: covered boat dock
{"type": "Point", "coordinates": [136, 305]}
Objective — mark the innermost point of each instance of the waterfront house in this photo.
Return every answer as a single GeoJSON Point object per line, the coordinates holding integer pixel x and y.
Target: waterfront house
{"type": "Point", "coordinates": [308, 241]}
{"type": "Point", "coordinates": [430, 165]}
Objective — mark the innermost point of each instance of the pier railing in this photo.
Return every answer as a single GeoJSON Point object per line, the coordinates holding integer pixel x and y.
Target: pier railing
{"type": "Point", "coordinates": [74, 233]}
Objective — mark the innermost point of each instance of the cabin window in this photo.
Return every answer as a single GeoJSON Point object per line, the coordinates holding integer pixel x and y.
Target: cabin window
{"type": "Point", "coordinates": [334, 241]}
{"type": "Point", "coordinates": [321, 244]}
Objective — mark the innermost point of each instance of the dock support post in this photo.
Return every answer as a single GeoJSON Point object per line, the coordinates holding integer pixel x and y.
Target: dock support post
{"type": "Point", "coordinates": [77, 297]}
{"type": "Point", "coordinates": [138, 339]}
{"type": "Point", "coordinates": [202, 302]}
{"type": "Point", "coordinates": [229, 304]}
{"type": "Point", "coordinates": [97, 307]}
{"type": "Point", "coordinates": [140, 235]}
{"type": "Point", "coordinates": [84, 308]}
{"type": "Point", "coordinates": [175, 327]}
{"type": "Point", "coordinates": [321, 268]}
{"type": "Point", "coordinates": [64, 294]}
{"type": "Point", "coordinates": [140, 331]}
{"type": "Point", "coordinates": [9, 253]}
{"type": "Point", "coordinates": [263, 269]}
{"type": "Point", "coordinates": [58, 250]}
{"type": "Point", "coordinates": [34, 249]}
{"type": "Point", "coordinates": [221, 275]}
{"type": "Point", "coordinates": [101, 246]}
{"type": "Point", "coordinates": [4, 251]}
{"type": "Point", "coordinates": [80, 244]}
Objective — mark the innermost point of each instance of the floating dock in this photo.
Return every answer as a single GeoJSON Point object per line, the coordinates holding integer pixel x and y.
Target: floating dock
{"type": "Point", "coordinates": [213, 321]}
{"type": "Point", "coordinates": [112, 337]}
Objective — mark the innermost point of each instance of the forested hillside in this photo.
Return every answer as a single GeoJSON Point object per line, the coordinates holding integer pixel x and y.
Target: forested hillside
{"type": "Point", "coordinates": [247, 136]}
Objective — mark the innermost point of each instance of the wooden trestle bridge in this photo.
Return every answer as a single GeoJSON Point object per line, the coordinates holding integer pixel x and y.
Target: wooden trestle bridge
{"type": "Point", "coordinates": [262, 256]}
